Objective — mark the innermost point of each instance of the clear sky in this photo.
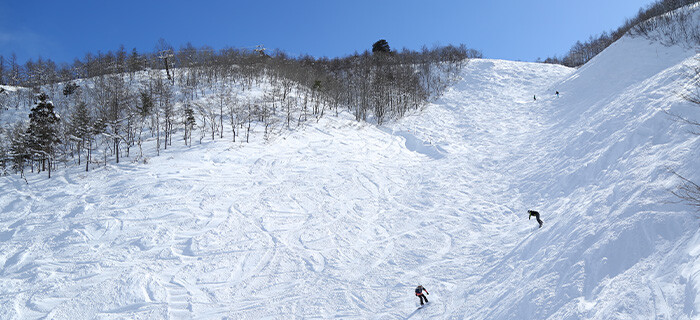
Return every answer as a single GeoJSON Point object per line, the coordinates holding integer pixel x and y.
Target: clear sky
{"type": "Point", "coordinates": [504, 29]}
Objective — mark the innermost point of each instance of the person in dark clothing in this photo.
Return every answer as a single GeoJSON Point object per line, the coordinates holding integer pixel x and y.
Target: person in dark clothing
{"type": "Point", "coordinates": [557, 94]}
{"type": "Point", "coordinates": [534, 97]}
{"type": "Point", "coordinates": [421, 296]}
{"type": "Point", "coordinates": [535, 214]}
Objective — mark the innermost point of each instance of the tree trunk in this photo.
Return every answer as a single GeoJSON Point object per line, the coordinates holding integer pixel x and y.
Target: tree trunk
{"type": "Point", "coordinates": [116, 148]}
{"type": "Point", "coordinates": [87, 160]}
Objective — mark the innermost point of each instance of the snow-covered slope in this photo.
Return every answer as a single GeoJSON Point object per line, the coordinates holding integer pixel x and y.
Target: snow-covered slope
{"type": "Point", "coordinates": [343, 219]}
{"type": "Point", "coordinates": [614, 244]}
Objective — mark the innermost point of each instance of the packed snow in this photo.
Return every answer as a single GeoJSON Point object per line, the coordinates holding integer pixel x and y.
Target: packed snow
{"type": "Point", "coordinates": [342, 219]}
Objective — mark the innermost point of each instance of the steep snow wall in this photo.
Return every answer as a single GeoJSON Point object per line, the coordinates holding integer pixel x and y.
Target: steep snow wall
{"type": "Point", "coordinates": [615, 244]}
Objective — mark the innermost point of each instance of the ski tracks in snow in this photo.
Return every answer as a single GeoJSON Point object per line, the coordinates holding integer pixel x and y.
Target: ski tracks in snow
{"type": "Point", "coordinates": [343, 223]}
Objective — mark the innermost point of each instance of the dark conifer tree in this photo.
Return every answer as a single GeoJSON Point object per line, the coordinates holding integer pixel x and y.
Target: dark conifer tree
{"type": "Point", "coordinates": [43, 130]}
{"type": "Point", "coordinates": [19, 146]}
{"type": "Point", "coordinates": [189, 123]}
{"type": "Point", "coordinates": [70, 88]}
{"type": "Point", "coordinates": [381, 46]}
{"type": "Point", "coordinates": [80, 126]}
{"type": "Point", "coordinates": [134, 62]}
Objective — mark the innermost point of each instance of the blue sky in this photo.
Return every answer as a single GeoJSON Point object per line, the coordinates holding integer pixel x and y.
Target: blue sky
{"type": "Point", "coordinates": [506, 29]}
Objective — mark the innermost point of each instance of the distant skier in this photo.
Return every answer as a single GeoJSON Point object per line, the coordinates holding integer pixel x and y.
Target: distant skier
{"type": "Point", "coordinates": [534, 97]}
{"type": "Point", "coordinates": [557, 94]}
{"type": "Point", "coordinates": [535, 214]}
{"type": "Point", "coordinates": [421, 296]}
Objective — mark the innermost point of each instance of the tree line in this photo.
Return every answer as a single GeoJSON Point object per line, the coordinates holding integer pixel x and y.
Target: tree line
{"type": "Point", "coordinates": [111, 103]}
{"type": "Point", "coordinates": [669, 21]}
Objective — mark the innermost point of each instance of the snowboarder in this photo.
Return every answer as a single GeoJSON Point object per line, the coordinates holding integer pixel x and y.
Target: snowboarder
{"type": "Point", "coordinates": [535, 214]}
{"type": "Point", "coordinates": [557, 94]}
{"type": "Point", "coordinates": [421, 296]}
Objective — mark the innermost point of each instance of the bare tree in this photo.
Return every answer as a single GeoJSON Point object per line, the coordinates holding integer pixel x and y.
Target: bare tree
{"type": "Point", "coordinates": [380, 86]}
{"type": "Point", "coordinates": [234, 118]}
{"type": "Point", "coordinates": [209, 117]}
{"type": "Point", "coordinates": [143, 110]}
{"type": "Point", "coordinates": [689, 191]}
{"type": "Point", "coordinates": [117, 101]}
{"type": "Point", "coordinates": [223, 97]}
{"type": "Point", "coordinates": [165, 53]}
{"type": "Point", "coordinates": [692, 94]}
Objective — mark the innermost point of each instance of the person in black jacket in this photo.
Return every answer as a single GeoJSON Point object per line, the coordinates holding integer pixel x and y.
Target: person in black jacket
{"type": "Point", "coordinates": [421, 296]}
{"type": "Point", "coordinates": [535, 214]}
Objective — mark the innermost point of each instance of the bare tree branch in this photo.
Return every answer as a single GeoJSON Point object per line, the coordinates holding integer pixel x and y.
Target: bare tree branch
{"type": "Point", "coordinates": [688, 191]}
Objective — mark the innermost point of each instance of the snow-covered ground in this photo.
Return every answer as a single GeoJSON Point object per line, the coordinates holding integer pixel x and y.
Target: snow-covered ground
{"type": "Point", "coordinates": [343, 219]}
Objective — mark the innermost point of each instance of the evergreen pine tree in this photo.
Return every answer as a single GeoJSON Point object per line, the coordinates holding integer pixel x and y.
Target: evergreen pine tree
{"type": "Point", "coordinates": [97, 128]}
{"type": "Point", "coordinates": [189, 122]}
{"type": "Point", "coordinates": [145, 108]}
{"type": "Point", "coordinates": [134, 62]}
{"type": "Point", "coordinates": [80, 126]}
{"type": "Point", "coordinates": [381, 46]}
{"type": "Point", "coordinates": [70, 88]}
{"type": "Point", "coordinates": [19, 147]}
{"type": "Point", "coordinates": [43, 130]}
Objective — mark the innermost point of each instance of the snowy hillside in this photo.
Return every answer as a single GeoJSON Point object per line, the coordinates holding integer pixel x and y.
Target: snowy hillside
{"type": "Point", "coordinates": [614, 245]}
{"type": "Point", "coordinates": [343, 220]}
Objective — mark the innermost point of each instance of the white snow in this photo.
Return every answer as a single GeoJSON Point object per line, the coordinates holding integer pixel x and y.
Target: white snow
{"type": "Point", "coordinates": [343, 219]}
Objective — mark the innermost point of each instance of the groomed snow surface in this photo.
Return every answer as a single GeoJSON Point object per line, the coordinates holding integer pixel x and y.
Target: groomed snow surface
{"type": "Point", "coordinates": [342, 219]}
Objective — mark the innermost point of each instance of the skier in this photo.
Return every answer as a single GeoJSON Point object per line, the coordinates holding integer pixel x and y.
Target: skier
{"type": "Point", "coordinates": [534, 97]}
{"type": "Point", "coordinates": [557, 94]}
{"type": "Point", "coordinates": [535, 214]}
{"type": "Point", "coordinates": [419, 293]}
